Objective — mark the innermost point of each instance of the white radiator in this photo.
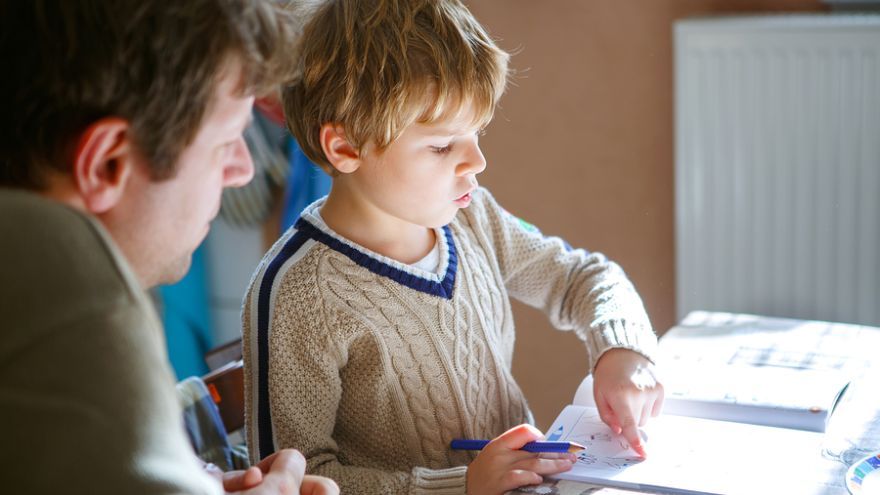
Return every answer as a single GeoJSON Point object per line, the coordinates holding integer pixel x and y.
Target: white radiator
{"type": "Point", "coordinates": [778, 166]}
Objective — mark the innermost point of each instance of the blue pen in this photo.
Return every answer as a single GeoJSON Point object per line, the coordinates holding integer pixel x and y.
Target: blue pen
{"type": "Point", "coordinates": [538, 447]}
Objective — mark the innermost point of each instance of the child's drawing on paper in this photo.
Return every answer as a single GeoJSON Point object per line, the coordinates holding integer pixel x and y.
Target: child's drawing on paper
{"type": "Point", "coordinates": [603, 448]}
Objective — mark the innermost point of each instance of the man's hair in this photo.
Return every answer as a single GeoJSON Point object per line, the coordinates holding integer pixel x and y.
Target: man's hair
{"type": "Point", "coordinates": [374, 67]}
{"type": "Point", "coordinates": [154, 63]}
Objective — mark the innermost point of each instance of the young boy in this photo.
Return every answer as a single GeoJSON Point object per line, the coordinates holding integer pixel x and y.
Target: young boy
{"type": "Point", "coordinates": [379, 328]}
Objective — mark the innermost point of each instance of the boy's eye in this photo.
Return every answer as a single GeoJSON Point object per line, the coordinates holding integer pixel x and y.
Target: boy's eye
{"type": "Point", "coordinates": [442, 149]}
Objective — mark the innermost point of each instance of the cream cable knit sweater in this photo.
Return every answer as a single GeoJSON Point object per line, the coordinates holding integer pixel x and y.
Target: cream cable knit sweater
{"type": "Point", "coordinates": [370, 367]}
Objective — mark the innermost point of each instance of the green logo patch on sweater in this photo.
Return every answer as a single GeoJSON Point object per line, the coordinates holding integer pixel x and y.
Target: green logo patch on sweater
{"type": "Point", "coordinates": [527, 226]}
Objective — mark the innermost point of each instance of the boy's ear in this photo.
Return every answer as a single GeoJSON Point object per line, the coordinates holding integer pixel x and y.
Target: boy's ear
{"type": "Point", "coordinates": [339, 152]}
{"type": "Point", "coordinates": [102, 163]}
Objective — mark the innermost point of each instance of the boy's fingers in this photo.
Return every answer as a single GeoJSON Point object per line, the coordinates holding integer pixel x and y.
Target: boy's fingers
{"type": "Point", "coordinates": [518, 477]}
{"type": "Point", "coordinates": [606, 414]}
{"type": "Point", "coordinates": [646, 413]}
{"type": "Point", "coordinates": [516, 437]}
{"type": "Point", "coordinates": [629, 424]}
{"type": "Point", "coordinates": [509, 456]}
{"type": "Point", "coordinates": [545, 466]}
{"type": "Point", "coordinates": [658, 403]}
{"type": "Point", "coordinates": [631, 434]}
{"type": "Point", "coordinates": [558, 455]}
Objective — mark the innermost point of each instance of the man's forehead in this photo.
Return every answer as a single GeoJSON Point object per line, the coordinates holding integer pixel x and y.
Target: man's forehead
{"type": "Point", "coordinates": [229, 108]}
{"type": "Point", "coordinates": [230, 88]}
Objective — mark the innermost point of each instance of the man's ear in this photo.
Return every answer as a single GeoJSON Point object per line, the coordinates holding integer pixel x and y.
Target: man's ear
{"type": "Point", "coordinates": [102, 163]}
{"type": "Point", "coordinates": [342, 155]}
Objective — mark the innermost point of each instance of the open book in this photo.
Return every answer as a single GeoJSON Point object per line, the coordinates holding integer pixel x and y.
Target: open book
{"type": "Point", "coordinates": [762, 370]}
{"type": "Point", "coordinates": [747, 398]}
{"type": "Point", "coordinates": [699, 456]}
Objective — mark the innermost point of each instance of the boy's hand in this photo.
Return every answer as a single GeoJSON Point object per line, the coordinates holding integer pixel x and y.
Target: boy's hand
{"type": "Point", "coordinates": [501, 466]}
{"type": "Point", "coordinates": [627, 393]}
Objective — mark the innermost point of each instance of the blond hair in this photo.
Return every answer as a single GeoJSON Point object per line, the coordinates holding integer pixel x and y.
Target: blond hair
{"type": "Point", "coordinates": [375, 67]}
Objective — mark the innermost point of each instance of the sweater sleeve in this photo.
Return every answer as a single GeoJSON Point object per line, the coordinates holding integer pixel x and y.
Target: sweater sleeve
{"type": "Point", "coordinates": [578, 290]}
{"type": "Point", "coordinates": [310, 346]}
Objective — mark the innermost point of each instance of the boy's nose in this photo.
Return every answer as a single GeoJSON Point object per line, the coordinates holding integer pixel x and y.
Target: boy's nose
{"type": "Point", "coordinates": [473, 162]}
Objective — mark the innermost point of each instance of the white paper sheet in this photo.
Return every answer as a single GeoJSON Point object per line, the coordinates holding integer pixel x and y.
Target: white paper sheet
{"type": "Point", "coordinates": [699, 456]}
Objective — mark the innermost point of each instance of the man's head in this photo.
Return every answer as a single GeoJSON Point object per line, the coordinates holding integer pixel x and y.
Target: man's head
{"type": "Point", "coordinates": [375, 67]}
{"type": "Point", "coordinates": [133, 111]}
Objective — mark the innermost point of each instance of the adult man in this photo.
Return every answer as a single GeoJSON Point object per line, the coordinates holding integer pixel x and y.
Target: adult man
{"type": "Point", "coordinates": [123, 124]}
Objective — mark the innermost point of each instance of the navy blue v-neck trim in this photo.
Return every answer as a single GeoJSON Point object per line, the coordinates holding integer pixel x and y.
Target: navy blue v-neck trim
{"type": "Point", "coordinates": [443, 288]}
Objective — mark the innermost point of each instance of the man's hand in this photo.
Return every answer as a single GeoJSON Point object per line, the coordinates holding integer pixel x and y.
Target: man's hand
{"type": "Point", "coordinates": [280, 473]}
{"type": "Point", "coordinates": [627, 393]}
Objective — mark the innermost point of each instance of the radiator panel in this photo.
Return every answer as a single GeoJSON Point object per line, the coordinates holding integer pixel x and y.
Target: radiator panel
{"type": "Point", "coordinates": [778, 166]}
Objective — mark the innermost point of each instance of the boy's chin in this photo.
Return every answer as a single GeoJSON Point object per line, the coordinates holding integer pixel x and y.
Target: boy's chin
{"type": "Point", "coordinates": [442, 222]}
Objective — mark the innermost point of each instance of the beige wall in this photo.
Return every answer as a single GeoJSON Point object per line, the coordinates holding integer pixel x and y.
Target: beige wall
{"type": "Point", "coordinates": [582, 146]}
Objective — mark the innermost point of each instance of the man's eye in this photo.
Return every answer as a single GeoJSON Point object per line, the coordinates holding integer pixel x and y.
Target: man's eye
{"type": "Point", "coordinates": [441, 149]}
